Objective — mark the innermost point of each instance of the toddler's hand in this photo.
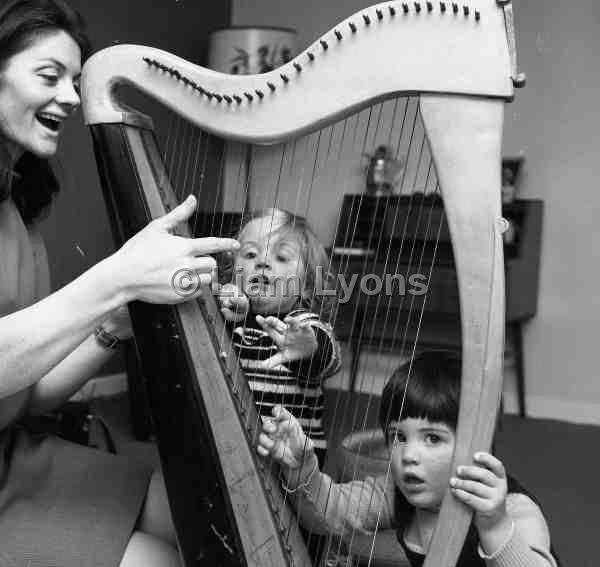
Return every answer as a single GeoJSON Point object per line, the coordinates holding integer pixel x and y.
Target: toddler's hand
{"type": "Point", "coordinates": [295, 339]}
{"type": "Point", "coordinates": [483, 487]}
{"type": "Point", "coordinates": [234, 303]}
{"type": "Point", "coordinates": [282, 437]}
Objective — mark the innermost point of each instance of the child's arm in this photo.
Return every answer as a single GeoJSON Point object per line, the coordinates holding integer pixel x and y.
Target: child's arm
{"type": "Point", "coordinates": [323, 505]}
{"type": "Point", "coordinates": [512, 530]}
{"type": "Point", "coordinates": [306, 345]}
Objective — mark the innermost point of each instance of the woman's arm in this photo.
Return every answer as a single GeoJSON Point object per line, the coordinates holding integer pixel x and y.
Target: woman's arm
{"type": "Point", "coordinates": [34, 340]}
{"type": "Point", "coordinates": [68, 376]}
{"type": "Point", "coordinates": [71, 373]}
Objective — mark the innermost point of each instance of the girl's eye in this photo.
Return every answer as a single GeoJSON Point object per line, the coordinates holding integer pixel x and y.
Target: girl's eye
{"type": "Point", "coordinates": [433, 438]}
{"type": "Point", "coordinates": [249, 255]}
{"type": "Point", "coordinates": [281, 258]}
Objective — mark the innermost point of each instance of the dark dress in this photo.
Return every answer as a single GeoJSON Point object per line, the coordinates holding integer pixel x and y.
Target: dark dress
{"type": "Point", "coordinates": [61, 504]}
{"type": "Point", "coordinates": [469, 556]}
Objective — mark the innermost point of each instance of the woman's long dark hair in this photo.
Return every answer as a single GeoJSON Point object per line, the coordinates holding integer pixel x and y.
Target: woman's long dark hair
{"type": "Point", "coordinates": [31, 182]}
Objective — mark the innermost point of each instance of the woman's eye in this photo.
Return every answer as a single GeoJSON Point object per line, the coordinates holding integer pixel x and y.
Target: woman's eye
{"type": "Point", "coordinates": [249, 255]}
{"type": "Point", "coordinates": [49, 79]}
{"type": "Point", "coordinates": [281, 258]}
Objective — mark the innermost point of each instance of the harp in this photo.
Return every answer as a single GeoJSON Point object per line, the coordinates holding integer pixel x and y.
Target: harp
{"type": "Point", "coordinates": [457, 65]}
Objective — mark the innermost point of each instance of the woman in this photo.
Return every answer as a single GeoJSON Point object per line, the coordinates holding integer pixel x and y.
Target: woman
{"type": "Point", "coordinates": [62, 504]}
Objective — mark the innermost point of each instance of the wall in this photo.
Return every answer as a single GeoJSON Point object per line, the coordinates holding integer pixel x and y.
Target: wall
{"type": "Point", "coordinates": [77, 233]}
{"type": "Point", "coordinates": [554, 123]}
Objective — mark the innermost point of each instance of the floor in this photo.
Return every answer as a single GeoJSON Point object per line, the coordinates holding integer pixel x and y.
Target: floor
{"type": "Point", "coordinates": [558, 461]}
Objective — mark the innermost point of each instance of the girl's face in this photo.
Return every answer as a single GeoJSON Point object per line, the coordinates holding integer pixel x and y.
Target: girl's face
{"type": "Point", "coordinates": [421, 460]}
{"type": "Point", "coordinates": [39, 90]}
{"type": "Point", "coordinates": [269, 267]}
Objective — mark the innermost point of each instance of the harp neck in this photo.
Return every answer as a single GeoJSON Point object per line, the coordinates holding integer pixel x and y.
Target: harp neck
{"type": "Point", "coordinates": [415, 51]}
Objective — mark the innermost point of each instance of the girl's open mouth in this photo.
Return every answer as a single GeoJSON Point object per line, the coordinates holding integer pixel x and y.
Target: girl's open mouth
{"type": "Point", "coordinates": [413, 480]}
{"type": "Point", "coordinates": [258, 284]}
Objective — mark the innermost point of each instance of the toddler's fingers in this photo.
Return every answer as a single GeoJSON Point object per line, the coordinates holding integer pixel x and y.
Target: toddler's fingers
{"type": "Point", "coordinates": [262, 451]}
{"type": "Point", "coordinates": [490, 462]}
{"type": "Point", "coordinates": [281, 414]}
{"type": "Point", "coordinates": [478, 474]}
{"type": "Point", "coordinates": [469, 499]}
{"type": "Point", "coordinates": [266, 442]}
{"type": "Point", "coordinates": [292, 323]}
{"type": "Point", "coordinates": [472, 487]}
{"type": "Point", "coordinates": [273, 361]}
{"type": "Point", "coordinates": [276, 324]}
{"type": "Point", "coordinates": [269, 426]}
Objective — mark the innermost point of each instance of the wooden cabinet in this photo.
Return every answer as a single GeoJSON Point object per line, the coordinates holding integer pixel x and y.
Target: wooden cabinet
{"type": "Point", "coordinates": [404, 237]}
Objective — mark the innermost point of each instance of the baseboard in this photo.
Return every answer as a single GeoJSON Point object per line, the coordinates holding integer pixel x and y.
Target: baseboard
{"type": "Point", "coordinates": [537, 406]}
{"type": "Point", "coordinates": [102, 387]}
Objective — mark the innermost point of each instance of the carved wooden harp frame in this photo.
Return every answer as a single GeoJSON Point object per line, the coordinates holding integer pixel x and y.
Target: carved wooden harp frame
{"type": "Point", "coordinates": [461, 60]}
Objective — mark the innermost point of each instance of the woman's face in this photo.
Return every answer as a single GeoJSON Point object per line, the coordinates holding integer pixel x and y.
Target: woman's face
{"type": "Point", "coordinates": [39, 90]}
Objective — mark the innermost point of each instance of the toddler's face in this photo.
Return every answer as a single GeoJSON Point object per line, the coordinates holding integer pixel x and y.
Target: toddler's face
{"type": "Point", "coordinates": [269, 268]}
{"type": "Point", "coordinates": [421, 453]}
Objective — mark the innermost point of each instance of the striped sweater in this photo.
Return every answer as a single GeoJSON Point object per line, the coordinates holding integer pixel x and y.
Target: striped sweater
{"type": "Point", "coordinates": [296, 385]}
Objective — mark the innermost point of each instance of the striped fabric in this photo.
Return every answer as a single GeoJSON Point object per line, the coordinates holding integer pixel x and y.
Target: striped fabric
{"type": "Point", "coordinates": [295, 385]}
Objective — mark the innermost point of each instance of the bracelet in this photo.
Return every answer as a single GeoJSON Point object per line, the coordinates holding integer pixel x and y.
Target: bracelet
{"type": "Point", "coordinates": [302, 486]}
{"type": "Point", "coordinates": [106, 339]}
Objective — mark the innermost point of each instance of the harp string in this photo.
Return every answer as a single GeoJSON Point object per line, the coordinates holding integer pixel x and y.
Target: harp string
{"type": "Point", "coordinates": [192, 163]}
{"type": "Point", "coordinates": [355, 321]}
{"type": "Point", "coordinates": [385, 269]}
{"type": "Point", "coordinates": [336, 543]}
{"type": "Point", "coordinates": [367, 131]}
{"type": "Point", "coordinates": [312, 293]}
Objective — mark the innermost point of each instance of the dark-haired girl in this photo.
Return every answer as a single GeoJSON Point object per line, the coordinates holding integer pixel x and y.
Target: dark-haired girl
{"type": "Point", "coordinates": [418, 414]}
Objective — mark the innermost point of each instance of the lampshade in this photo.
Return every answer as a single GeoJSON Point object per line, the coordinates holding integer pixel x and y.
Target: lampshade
{"type": "Point", "coordinates": [250, 50]}
{"type": "Point", "coordinates": [247, 50]}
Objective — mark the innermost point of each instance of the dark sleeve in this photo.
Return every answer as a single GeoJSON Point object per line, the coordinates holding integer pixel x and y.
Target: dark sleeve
{"type": "Point", "coordinates": [325, 361]}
